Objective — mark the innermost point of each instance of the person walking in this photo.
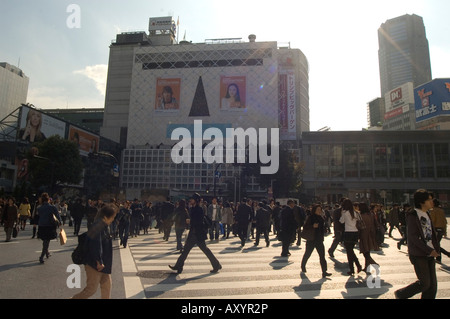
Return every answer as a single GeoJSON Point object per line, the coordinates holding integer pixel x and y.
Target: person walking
{"type": "Point", "coordinates": [214, 212]}
{"type": "Point", "coordinates": [423, 248]}
{"type": "Point", "coordinates": [243, 217]}
{"type": "Point", "coordinates": [367, 236]}
{"type": "Point", "coordinates": [402, 219]}
{"type": "Point", "coordinates": [315, 222]}
{"type": "Point", "coordinates": [46, 226]}
{"type": "Point", "coordinates": [227, 219]}
{"type": "Point", "coordinates": [262, 219]}
{"type": "Point", "coordinates": [99, 255]}
{"type": "Point", "coordinates": [77, 212]}
{"type": "Point", "coordinates": [180, 218]}
{"type": "Point", "coordinates": [10, 217]}
{"type": "Point", "coordinates": [35, 216]}
{"type": "Point", "coordinates": [197, 236]}
{"type": "Point", "coordinates": [288, 227]}
{"type": "Point", "coordinates": [351, 235]}
{"type": "Point", "coordinates": [439, 221]}
{"type": "Point", "coordinates": [338, 229]}
{"type": "Point", "coordinates": [136, 217]}
{"type": "Point", "coordinates": [124, 218]}
{"type": "Point", "coordinates": [394, 220]}
{"type": "Point", "coordinates": [167, 210]}
{"type": "Point", "coordinates": [24, 212]}
{"type": "Point", "coordinates": [146, 213]}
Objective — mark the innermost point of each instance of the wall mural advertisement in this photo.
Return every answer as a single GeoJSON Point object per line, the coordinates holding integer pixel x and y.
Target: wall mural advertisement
{"type": "Point", "coordinates": [168, 95]}
{"type": "Point", "coordinates": [233, 93]}
{"type": "Point", "coordinates": [87, 142]}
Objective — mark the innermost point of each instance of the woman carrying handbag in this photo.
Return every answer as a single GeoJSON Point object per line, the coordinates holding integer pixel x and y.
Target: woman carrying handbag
{"type": "Point", "coordinates": [46, 225]}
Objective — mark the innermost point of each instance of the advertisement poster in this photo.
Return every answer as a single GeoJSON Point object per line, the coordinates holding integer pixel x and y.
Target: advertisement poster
{"type": "Point", "coordinates": [232, 93]}
{"type": "Point", "coordinates": [432, 99]}
{"type": "Point", "coordinates": [87, 142]}
{"type": "Point", "coordinates": [35, 126]}
{"type": "Point", "coordinates": [286, 106]}
{"type": "Point", "coordinates": [168, 95]}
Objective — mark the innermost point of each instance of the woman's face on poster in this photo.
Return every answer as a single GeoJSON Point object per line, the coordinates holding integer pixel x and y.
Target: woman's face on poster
{"type": "Point", "coordinates": [232, 91]}
{"type": "Point", "coordinates": [35, 118]}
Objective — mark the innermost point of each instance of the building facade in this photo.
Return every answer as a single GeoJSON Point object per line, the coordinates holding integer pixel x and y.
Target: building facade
{"type": "Point", "coordinates": [403, 53]}
{"type": "Point", "coordinates": [13, 88]}
{"type": "Point", "coordinates": [376, 166]}
{"type": "Point", "coordinates": [156, 86]}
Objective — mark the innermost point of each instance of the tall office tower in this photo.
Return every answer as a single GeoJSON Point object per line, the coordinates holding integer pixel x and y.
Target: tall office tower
{"type": "Point", "coordinates": [403, 53]}
{"type": "Point", "coordinates": [13, 88]}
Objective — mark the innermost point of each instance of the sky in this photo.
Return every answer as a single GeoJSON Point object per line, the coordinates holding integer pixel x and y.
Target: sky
{"type": "Point", "coordinates": [64, 49]}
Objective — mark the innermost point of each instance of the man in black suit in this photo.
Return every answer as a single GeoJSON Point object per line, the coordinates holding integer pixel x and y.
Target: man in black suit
{"type": "Point", "coordinates": [243, 216]}
{"type": "Point", "coordinates": [288, 227]}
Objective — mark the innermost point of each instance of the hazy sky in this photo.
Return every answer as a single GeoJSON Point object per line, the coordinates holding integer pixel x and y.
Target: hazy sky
{"type": "Point", "coordinates": [67, 66]}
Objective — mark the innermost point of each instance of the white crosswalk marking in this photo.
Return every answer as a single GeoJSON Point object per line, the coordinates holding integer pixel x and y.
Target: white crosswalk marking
{"type": "Point", "coordinates": [261, 273]}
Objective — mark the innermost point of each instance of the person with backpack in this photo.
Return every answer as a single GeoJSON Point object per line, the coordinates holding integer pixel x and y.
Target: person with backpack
{"type": "Point", "coordinates": [98, 255]}
{"type": "Point", "coordinates": [197, 236]}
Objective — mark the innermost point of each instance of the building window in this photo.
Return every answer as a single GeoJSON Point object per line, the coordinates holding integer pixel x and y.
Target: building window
{"type": "Point", "coordinates": [351, 160]}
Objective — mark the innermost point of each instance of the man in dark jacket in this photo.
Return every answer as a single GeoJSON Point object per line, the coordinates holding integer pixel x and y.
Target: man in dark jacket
{"type": "Point", "coordinates": [423, 247]}
{"type": "Point", "coordinates": [196, 236]}
{"type": "Point", "coordinates": [288, 227]}
{"type": "Point", "coordinates": [77, 212]}
{"type": "Point", "coordinates": [167, 214]}
{"type": "Point", "coordinates": [262, 218]}
{"type": "Point", "coordinates": [243, 216]}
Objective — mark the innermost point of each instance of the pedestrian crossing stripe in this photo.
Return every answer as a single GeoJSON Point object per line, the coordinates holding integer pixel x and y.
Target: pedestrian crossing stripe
{"type": "Point", "coordinates": [260, 273]}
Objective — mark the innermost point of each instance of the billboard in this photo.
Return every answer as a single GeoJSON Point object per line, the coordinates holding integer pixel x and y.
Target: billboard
{"type": "Point", "coordinates": [233, 93]}
{"type": "Point", "coordinates": [168, 94]}
{"type": "Point", "coordinates": [397, 101]}
{"type": "Point", "coordinates": [432, 99]}
{"type": "Point", "coordinates": [287, 117]}
{"type": "Point", "coordinates": [35, 126]}
{"type": "Point", "coordinates": [162, 23]}
{"type": "Point", "coordinates": [86, 141]}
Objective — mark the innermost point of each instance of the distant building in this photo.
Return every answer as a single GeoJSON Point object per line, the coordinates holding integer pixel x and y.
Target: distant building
{"type": "Point", "coordinates": [376, 166]}
{"type": "Point", "coordinates": [375, 113]}
{"type": "Point", "coordinates": [403, 53]}
{"type": "Point", "coordinates": [156, 85]}
{"type": "Point", "coordinates": [13, 88]}
{"type": "Point", "coordinates": [91, 119]}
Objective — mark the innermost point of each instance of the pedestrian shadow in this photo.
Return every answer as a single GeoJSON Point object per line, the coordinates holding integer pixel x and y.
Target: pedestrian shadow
{"type": "Point", "coordinates": [280, 262]}
{"type": "Point", "coordinates": [370, 283]}
{"type": "Point", "coordinates": [308, 289]}
{"type": "Point", "coordinates": [18, 266]}
{"type": "Point", "coordinates": [170, 278]}
{"type": "Point", "coordinates": [339, 266]}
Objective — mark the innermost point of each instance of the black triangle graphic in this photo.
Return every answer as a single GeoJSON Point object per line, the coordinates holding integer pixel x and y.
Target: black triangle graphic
{"type": "Point", "coordinates": [199, 104]}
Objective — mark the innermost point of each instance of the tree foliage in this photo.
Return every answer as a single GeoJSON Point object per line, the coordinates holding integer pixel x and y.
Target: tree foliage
{"type": "Point", "coordinates": [55, 161]}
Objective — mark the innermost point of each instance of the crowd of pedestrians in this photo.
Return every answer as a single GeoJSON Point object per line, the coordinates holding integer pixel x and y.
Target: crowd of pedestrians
{"type": "Point", "coordinates": [354, 225]}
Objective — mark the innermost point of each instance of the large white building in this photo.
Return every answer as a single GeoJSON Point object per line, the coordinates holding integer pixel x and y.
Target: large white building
{"type": "Point", "coordinates": [13, 88]}
{"type": "Point", "coordinates": [156, 85]}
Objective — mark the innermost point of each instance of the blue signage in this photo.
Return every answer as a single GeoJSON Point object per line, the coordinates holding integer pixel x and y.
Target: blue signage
{"type": "Point", "coordinates": [432, 99]}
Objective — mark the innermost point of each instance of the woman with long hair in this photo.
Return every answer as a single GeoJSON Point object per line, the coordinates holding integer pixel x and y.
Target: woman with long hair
{"type": "Point", "coordinates": [351, 234]}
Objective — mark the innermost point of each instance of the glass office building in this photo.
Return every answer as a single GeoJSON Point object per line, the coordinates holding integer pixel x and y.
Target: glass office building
{"type": "Point", "coordinates": [366, 165]}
